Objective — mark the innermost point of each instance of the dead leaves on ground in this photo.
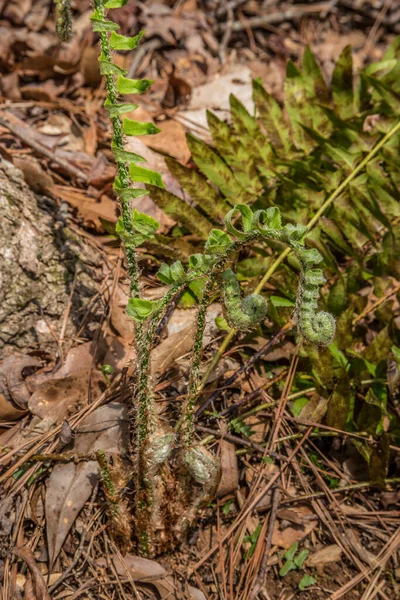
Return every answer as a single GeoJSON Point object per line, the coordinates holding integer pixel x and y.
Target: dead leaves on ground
{"type": "Point", "coordinates": [150, 574]}
{"type": "Point", "coordinates": [70, 485]}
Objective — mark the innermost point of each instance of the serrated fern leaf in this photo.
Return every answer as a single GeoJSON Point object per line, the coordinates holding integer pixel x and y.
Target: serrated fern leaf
{"type": "Point", "coordinates": [180, 211]}
{"type": "Point", "coordinates": [201, 192]}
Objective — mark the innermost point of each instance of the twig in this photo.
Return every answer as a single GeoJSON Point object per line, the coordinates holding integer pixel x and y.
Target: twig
{"type": "Point", "coordinates": [237, 440]}
{"type": "Point", "coordinates": [20, 130]}
{"type": "Point", "coordinates": [227, 33]}
{"type": "Point", "coordinates": [244, 368]}
{"type": "Point", "coordinates": [276, 496]}
{"type": "Point", "coordinates": [279, 16]}
{"type": "Point", "coordinates": [251, 505]}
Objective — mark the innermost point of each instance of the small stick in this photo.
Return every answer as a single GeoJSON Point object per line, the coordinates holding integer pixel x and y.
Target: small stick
{"type": "Point", "coordinates": [243, 368]}
{"type": "Point", "coordinates": [276, 496]}
{"type": "Point", "coordinates": [22, 131]}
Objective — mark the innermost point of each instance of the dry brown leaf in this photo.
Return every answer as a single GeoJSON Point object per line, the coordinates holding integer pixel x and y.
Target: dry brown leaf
{"type": "Point", "coordinates": [9, 86]}
{"type": "Point", "coordinates": [315, 409]}
{"type": "Point", "coordinates": [89, 208]}
{"type": "Point", "coordinates": [229, 470]}
{"type": "Point", "coordinates": [39, 586]}
{"type": "Point", "coordinates": [353, 539]}
{"type": "Point", "coordinates": [171, 349]}
{"type": "Point", "coordinates": [90, 137]}
{"type": "Point", "coordinates": [69, 486]}
{"type": "Point", "coordinates": [37, 179]}
{"type": "Point", "coordinates": [120, 321]}
{"type": "Point", "coordinates": [149, 572]}
{"type": "Point", "coordinates": [56, 399]}
{"type": "Point", "coordinates": [294, 533]}
{"type": "Point", "coordinates": [12, 382]}
{"type": "Point", "coordinates": [8, 412]}
{"type": "Point", "coordinates": [325, 556]}
{"type": "Point", "coordinates": [171, 140]}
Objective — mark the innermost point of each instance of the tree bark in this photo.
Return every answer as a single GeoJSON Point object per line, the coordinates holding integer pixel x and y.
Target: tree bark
{"type": "Point", "coordinates": [37, 264]}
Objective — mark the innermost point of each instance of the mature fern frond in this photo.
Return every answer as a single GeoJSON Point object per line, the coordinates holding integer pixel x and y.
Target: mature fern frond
{"type": "Point", "coordinates": [294, 156]}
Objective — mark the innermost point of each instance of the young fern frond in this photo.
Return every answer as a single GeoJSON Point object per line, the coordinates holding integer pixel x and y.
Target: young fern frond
{"type": "Point", "coordinates": [155, 441]}
{"type": "Point", "coordinates": [242, 314]}
{"type": "Point", "coordinates": [133, 229]}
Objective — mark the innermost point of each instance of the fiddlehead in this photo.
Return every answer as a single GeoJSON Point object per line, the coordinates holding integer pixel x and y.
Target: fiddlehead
{"type": "Point", "coordinates": [242, 314]}
{"type": "Point", "coordinates": [316, 327]}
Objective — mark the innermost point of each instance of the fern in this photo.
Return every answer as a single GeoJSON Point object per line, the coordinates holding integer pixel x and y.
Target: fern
{"type": "Point", "coordinates": [296, 162]}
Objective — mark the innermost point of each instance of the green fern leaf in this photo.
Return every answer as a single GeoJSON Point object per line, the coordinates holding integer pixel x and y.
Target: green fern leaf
{"type": "Point", "coordinates": [342, 84]}
{"type": "Point", "coordinates": [298, 107]}
{"type": "Point", "coordinates": [108, 68]}
{"type": "Point", "coordinates": [134, 128]}
{"type": "Point", "coordinates": [272, 119]}
{"type": "Point", "coordinates": [115, 110]}
{"type": "Point", "coordinates": [121, 42]}
{"type": "Point", "coordinates": [217, 171]}
{"type": "Point", "coordinates": [235, 155]}
{"type": "Point", "coordinates": [251, 137]}
{"type": "Point", "coordinates": [132, 86]}
{"type": "Point", "coordinates": [180, 211]}
{"type": "Point", "coordinates": [142, 175]}
{"type": "Point", "coordinates": [201, 192]}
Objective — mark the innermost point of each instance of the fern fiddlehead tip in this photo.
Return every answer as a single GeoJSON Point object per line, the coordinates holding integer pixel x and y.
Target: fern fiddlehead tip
{"type": "Point", "coordinates": [242, 314]}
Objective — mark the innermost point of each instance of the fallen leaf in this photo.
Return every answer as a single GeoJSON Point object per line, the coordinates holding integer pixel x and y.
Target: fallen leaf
{"type": "Point", "coordinates": [89, 208]}
{"type": "Point", "coordinates": [171, 349]}
{"type": "Point", "coordinates": [315, 409]}
{"type": "Point", "coordinates": [229, 470]}
{"type": "Point", "coordinates": [353, 539]}
{"type": "Point", "coordinates": [39, 586]}
{"type": "Point", "coordinates": [171, 140]}
{"type": "Point", "coordinates": [35, 176]}
{"type": "Point", "coordinates": [70, 485]}
{"type": "Point", "coordinates": [149, 572]}
{"type": "Point", "coordinates": [212, 95]}
{"type": "Point", "coordinates": [325, 556]}
{"type": "Point", "coordinates": [8, 412]}
{"type": "Point", "coordinates": [56, 399]}
{"type": "Point", "coordinates": [389, 498]}
{"type": "Point", "coordinates": [294, 533]}
{"type": "Point", "coordinates": [120, 321]}
{"type": "Point", "coordinates": [12, 381]}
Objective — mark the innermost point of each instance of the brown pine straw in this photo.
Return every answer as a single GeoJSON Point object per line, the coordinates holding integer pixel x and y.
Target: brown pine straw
{"type": "Point", "coordinates": [384, 555]}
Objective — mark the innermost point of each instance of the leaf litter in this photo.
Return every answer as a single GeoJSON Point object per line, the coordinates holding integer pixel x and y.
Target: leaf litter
{"type": "Point", "coordinates": [37, 72]}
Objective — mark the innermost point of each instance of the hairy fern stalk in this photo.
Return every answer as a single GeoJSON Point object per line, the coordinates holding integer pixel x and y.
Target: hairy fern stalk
{"type": "Point", "coordinates": [198, 468]}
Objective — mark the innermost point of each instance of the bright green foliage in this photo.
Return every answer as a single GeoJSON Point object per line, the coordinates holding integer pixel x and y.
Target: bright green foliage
{"type": "Point", "coordinates": [293, 560]}
{"type": "Point", "coordinates": [130, 127]}
{"type": "Point", "coordinates": [140, 309]}
{"type": "Point", "coordinates": [121, 42]}
{"type": "Point", "coordinates": [296, 163]}
{"type": "Point", "coordinates": [132, 86]}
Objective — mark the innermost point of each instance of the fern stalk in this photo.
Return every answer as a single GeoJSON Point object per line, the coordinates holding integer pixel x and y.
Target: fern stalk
{"type": "Point", "coordinates": [146, 420]}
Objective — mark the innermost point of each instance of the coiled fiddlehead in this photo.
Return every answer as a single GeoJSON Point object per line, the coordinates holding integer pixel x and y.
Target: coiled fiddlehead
{"type": "Point", "coordinates": [242, 314]}
{"type": "Point", "coordinates": [316, 327]}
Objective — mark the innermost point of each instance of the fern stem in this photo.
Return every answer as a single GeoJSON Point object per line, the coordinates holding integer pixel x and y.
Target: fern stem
{"type": "Point", "coordinates": [146, 418]}
{"type": "Point", "coordinates": [311, 223]}
{"type": "Point", "coordinates": [123, 173]}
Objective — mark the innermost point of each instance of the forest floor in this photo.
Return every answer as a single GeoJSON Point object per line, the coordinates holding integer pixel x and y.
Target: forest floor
{"type": "Point", "coordinates": [309, 501]}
